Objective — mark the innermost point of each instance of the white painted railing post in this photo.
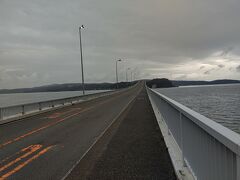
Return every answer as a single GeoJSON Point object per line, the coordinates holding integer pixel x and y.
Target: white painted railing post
{"type": "Point", "coordinates": [238, 167]}
{"type": "Point", "coordinates": [181, 134]}
{"type": "Point", "coordinates": [169, 132]}
{"type": "Point", "coordinates": [9, 112]}
{"type": "Point", "coordinates": [40, 106]}
{"type": "Point", "coordinates": [1, 114]}
{"type": "Point", "coordinates": [23, 110]}
{"type": "Point", "coordinates": [206, 150]}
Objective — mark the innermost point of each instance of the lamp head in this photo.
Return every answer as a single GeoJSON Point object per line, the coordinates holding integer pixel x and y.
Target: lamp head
{"type": "Point", "coordinates": [81, 27]}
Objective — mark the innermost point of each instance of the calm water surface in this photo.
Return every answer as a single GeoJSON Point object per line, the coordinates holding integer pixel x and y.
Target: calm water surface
{"type": "Point", "coordinates": [220, 103]}
{"type": "Point", "coordinates": [24, 98]}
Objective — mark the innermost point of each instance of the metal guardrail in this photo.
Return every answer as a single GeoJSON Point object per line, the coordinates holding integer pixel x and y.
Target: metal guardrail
{"type": "Point", "coordinates": [30, 108]}
{"type": "Point", "coordinates": [210, 150]}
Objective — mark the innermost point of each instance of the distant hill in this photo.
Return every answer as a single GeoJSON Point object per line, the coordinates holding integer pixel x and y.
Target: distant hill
{"type": "Point", "coordinates": [68, 87]}
{"type": "Point", "coordinates": [190, 83]}
{"type": "Point", "coordinates": [159, 83]}
{"type": "Point", "coordinates": [156, 83]}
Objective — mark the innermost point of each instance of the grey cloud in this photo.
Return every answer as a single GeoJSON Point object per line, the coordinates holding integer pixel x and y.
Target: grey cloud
{"type": "Point", "coordinates": [226, 51]}
{"type": "Point", "coordinates": [221, 66]}
{"type": "Point", "coordinates": [209, 71]}
{"type": "Point", "coordinates": [181, 77]}
{"type": "Point", "coordinates": [238, 68]}
{"type": "Point", "coordinates": [41, 37]}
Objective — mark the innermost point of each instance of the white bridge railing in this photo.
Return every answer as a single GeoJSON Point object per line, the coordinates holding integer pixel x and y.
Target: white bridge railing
{"type": "Point", "coordinates": [207, 149]}
{"type": "Point", "coordinates": [17, 111]}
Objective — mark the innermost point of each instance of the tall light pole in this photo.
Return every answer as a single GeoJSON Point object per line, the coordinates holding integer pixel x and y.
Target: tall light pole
{"type": "Point", "coordinates": [80, 41]}
{"type": "Point", "coordinates": [127, 74]}
{"type": "Point", "coordinates": [117, 72]}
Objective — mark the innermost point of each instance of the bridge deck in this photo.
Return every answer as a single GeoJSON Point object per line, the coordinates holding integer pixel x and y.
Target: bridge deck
{"type": "Point", "coordinates": [133, 148]}
{"type": "Point", "coordinates": [112, 137]}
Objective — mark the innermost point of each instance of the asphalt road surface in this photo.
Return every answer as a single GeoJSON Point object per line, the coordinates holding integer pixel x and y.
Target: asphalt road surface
{"type": "Point", "coordinates": [133, 148]}
{"type": "Point", "coordinates": [48, 145]}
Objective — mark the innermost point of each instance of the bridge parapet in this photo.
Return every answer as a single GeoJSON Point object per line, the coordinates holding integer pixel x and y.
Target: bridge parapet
{"type": "Point", "coordinates": [197, 145]}
{"type": "Point", "coordinates": [10, 113]}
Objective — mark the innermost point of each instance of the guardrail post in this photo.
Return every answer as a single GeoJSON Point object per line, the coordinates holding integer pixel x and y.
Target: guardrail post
{"type": "Point", "coordinates": [169, 132]}
{"type": "Point", "coordinates": [1, 114]}
{"type": "Point", "coordinates": [238, 167]}
{"type": "Point", "coordinates": [40, 106]}
{"type": "Point", "coordinates": [28, 108]}
{"type": "Point", "coordinates": [23, 110]}
{"type": "Point", "coordinates": [181, 136]}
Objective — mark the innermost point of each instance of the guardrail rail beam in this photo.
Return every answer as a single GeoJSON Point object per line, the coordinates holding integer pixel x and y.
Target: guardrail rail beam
{"type": "Point", "coordinates": [209, 150]}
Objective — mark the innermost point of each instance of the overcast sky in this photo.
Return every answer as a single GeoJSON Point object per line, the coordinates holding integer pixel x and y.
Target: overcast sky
{"type": "Point", "coordinates": [176, 39]}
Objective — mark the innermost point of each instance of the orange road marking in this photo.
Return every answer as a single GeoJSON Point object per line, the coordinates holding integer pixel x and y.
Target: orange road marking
{"type": "Point", "coordinates": [9, 157]}
{"type": "Point", "coordinates": [32, 148]}
{"type": "Point", "coordinates": [41, 128]}
{"type": "Point", "coordinates": [20, 166]}
{"type": "Point", "coordinates": [77, 108]}
{"type": "Point", "coordinates": [57, 114]}
{"type": "Point", "coordinates": [53, 123]}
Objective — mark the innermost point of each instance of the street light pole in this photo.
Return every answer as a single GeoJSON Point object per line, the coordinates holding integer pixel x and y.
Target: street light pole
{"type": "Point", "coordinates": [80, 41]}
{"type": "Point", "coordinates": [117, 72]}
{"type": "Point", "coordinates": [127, 74]}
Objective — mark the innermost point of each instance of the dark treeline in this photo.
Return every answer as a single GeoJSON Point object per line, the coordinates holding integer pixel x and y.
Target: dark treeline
{"type": "Point", "coordinates": [159, 83]}
{"type": "Point", "coordinates": [189, 83]}
{"type": "Point", "coordinates": [69, 87]}
{"type": "Point", "coordinates": [155, 83]}
{"type": "Point", "coordinates": [165, 83]}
